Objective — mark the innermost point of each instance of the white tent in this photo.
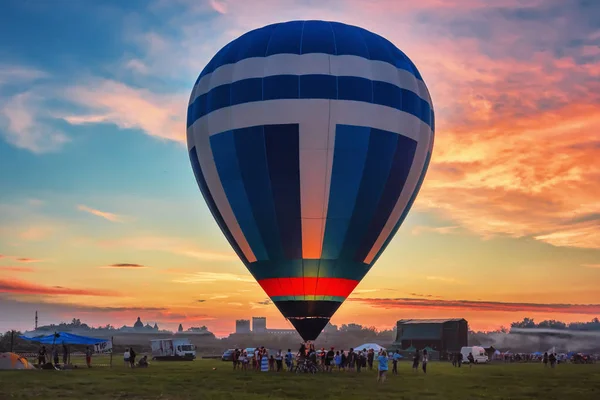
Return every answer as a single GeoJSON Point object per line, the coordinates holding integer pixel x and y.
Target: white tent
{"type": "Point", "coordinates": [369, 346]}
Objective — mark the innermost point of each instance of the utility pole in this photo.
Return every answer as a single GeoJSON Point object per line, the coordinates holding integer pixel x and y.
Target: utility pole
{"type": "Point", "coordinates": [12, 340]}
{"type": "Point", "coordinates": [36, 321]}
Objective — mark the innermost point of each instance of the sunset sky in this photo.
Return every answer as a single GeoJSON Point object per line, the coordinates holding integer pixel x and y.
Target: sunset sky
{"type": "Point", "coordinates": [101, 217]}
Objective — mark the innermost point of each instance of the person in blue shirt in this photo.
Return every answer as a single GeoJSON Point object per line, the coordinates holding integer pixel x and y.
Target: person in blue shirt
{"type": "Point", "coordinates": [383, 366]}
{"type": "Point", "coordinates": [289, 360]}
{"type": "Point", "coordinates": [338, 360]}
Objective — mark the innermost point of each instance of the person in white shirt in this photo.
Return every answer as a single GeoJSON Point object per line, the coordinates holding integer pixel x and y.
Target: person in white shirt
{"type": "Point", "coordinates": [126, 357]}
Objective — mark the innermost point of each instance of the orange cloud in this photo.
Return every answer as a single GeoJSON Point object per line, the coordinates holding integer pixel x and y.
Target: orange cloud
{"type": "Point", "coordinates": [488, 306]}
{"type": "Point", "coordinates": [102, 214]}
{"type": "Point", "coordinates": [22, 287]}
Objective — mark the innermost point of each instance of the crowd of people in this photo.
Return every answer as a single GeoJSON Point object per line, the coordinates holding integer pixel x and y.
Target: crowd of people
{"type": "Point", "coordinates": [310, 360]}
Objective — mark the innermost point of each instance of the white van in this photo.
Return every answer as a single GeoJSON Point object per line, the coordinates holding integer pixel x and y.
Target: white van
{"type": "Point", "coordinates": [479, 354]}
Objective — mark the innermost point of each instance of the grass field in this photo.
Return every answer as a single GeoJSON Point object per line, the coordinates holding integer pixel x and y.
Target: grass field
{"type": "Point", "coordinates": [198, 380]}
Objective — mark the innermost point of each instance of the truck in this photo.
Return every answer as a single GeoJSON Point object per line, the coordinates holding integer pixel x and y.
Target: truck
{"type": "Point", "coordinates": [172, 350]}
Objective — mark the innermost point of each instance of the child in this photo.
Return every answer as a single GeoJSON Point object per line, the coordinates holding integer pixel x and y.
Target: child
{"type": "Point", "coordinates": [244, 360]}
{"type": "Point", "coordinates": [338, 360]}
{"type": "Point", "coordinates": [272, 363]}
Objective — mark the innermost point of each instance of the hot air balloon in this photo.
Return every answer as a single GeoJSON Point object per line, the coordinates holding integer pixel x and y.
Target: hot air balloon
{"type": "Point", "coordinates": [309, 141]}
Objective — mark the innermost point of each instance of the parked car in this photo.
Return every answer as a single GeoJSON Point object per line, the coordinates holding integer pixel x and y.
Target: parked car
{"type": "Point", "coordinates": [227, 355]}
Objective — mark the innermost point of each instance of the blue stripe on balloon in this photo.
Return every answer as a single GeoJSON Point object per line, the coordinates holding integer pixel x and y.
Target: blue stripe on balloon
{"type": "Point", "coordinates": [282, 143]}
{"type": "Point", "coordinates": [304, 37]}
{"type": "Point", "coordinates": [212, 205]}
{"type": "Point", "coordinates": [281, 87]}
{"type": "Point", "coordinates": [311, 86]}
{"type": "Point", "coordinates": [382, 148]}
{"type": "Point", "coordinates": [252, 158]}
{"type": "Point", "coordinates": [406, 210]}
{"type": "Point", "coordinates": [296, 268]}
{"type": "Point", "coordinates": [228, 167]}
{"type": "Point", "coordinates": [403, 159]}
{"type": "Point", "coordinates": [350, 153]}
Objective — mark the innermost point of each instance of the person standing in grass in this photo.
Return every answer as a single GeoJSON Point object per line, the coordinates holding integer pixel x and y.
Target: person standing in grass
{"type": "Point", "coordinates": [279, 360]}
{"type": "Point", "coordinates": [545, 360]}
{"type": "Point", "coordinates": [264, 361]}
{"type": "Point", "coordinates": [471, 359]}
{"type": "Point", "coordinates": [416, 360]}
{"type": "Point", "coordinates": [395, 359]}
{"type": "Point", "coordinates": [425, 360]}
{"type": "Point", "coordinates": [289, 360]}
{"type": "Point", "coordinates": [131, 357]}
{"type": "Point", "coordinates": [88, 357]}
{"type": "Point", "coordinates": [383, 366]}
{"type": "Point", "coordinates": [126, 357]}
{"type": "Point", "coordinates": [65, 354]}
{"type": "Point", "coordinates": [370, 358]}
{"type": "Point", "coordinates": [338, 360]}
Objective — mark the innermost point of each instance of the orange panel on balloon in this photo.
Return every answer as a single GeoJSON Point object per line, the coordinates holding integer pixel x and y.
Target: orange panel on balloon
{"type": "Point", "coordinates": [323, 286]}
{"type": "Point", "coordinates": [312, 238]}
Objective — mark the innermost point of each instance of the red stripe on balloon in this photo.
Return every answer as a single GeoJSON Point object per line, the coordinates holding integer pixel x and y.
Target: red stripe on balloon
{"type": "Point", "coordinates": [308, 286]}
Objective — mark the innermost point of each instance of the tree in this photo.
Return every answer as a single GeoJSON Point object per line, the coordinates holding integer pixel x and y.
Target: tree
{"type": "Point", "coordinates": [180, 329]}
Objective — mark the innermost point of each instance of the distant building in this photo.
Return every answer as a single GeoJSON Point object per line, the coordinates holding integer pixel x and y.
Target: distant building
{"type": "Point", "coordinates": [139, 325]}
{"type": "Point", "coordinates": [259, 324]}
{"type": "Point", "coordinates": [442, 335]}
{"type": "Point", "coordinates": [242, 326]}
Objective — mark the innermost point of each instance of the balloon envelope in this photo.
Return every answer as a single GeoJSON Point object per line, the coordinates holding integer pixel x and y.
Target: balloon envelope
{"type": "Point", "coordinates": [309, 141]}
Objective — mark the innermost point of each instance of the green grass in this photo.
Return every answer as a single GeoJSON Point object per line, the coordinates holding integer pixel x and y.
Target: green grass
{"type": "Point", "coordinates": [198, 380]}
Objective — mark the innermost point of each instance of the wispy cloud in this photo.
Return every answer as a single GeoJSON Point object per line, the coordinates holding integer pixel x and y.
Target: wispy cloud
{"type": "Point", "coordinates": [442, 230]}
{"type": "Point", "coordinates": [361, 291]}
{"type": "Point", "coordinates": [219, 6]}
{"type": "Point", "coordinates": [35, 233]}
{"type": "Point", "coordinates": [594, 266]}
{"type": "Point", "coordinates": [21, 120]}
{"type": "Point", "coordinates": [28, 260]}
{"type": "Point", "coordinates": [112, 102]}
{"type": "Point", "coordinates": [125, 266]}
{"type": "Point", "coordinates": [442, 279]}
{"type": "Point", "coordinates": [16, 269]}
{"type": "Point", "coordinates": [211, 277]}
{"type": "Point", "coordinates": [219, 297]}
{"type": "Point", "coordinates": [102, 214]}
{"type": "Point", "coordinates": [23, 287]}
{"type": "Point", "coordinates": [179, 246]}
{"type": "Point", "coordinates": [236, 304]}
{"type": "Point", "coordinates": [489, 306]}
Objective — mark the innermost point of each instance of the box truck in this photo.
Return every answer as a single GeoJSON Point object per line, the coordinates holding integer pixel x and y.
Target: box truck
{"type": "Point", "coordinates": [173, 350]}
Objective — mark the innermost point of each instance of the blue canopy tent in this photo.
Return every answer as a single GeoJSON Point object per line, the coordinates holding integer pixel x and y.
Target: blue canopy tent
{"type": "Point", "coordinates": [66, 338]}
{"type": "Point", "coordinates": [59, 338]}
